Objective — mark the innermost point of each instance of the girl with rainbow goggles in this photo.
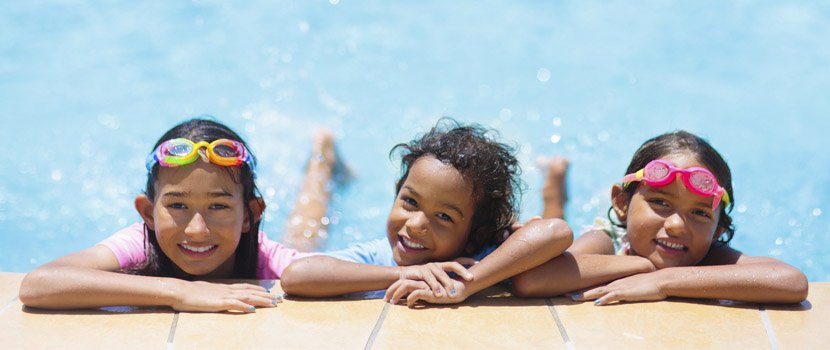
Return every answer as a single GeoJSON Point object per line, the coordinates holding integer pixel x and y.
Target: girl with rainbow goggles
{"type": "Point", "coordinates": [669, 237]}
{"type": "Point", "coordinates": [198, 223]}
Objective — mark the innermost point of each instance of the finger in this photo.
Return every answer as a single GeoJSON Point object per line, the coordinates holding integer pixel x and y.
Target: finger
{"type": "Point", "coordinates": [591, 294]}
{"type": "Point", "coordinates": [247, 286]}
{"type": "Point", "coordinates": [401, 292]}
{"type": "Point", "coordinates": [387, 297]}
{"type": "Point", "coordinates": [238, 305]}
{"type": "Point", "coordinates": [608, 298]}
{"type": "Point", "coordinates": [459, 270]}
{"type": "Point", "coordinates": [465, 261]}
{"type": "Point", "coordinates": [440, 273]}
{"type": "Point", "coordinates": [260, 301]}
{"type": "Point", "coordinates": [430, 279]}
{"type": "Point", "coordinates": [418, 295]}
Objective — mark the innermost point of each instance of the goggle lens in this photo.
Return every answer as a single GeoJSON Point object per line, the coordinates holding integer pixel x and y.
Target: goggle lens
{"type": "Point", "coordinates": [703, 182]}
{"type": "Point", "coordinates": [657, 172]}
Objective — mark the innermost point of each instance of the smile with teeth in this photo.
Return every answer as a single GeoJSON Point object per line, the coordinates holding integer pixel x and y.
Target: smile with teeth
{"type": "Point", "coordinates": [197, 249]}
{"type": "Point", "coordinates": [671, 245]}
{"type": "Point", "coordinates": [410, 244]}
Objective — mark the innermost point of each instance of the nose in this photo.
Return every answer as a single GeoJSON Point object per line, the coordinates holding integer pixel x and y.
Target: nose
{"type": "Point", "coordinates": [196, 227]}
{"type": "Point", "coordinates": [674, 224]}
{"type": "Point", "coordinates": [417, 223]}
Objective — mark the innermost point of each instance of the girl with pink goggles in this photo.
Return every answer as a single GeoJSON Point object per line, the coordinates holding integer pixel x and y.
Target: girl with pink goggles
{"type": "Point", "coordinates": [702, 182]}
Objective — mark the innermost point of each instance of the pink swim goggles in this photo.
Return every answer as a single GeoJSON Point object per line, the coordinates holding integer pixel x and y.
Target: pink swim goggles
{"type": "Point", "coordinates": [702, 182]}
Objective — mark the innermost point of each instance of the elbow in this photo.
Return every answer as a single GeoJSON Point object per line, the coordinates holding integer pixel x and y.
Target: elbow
{"type": "Point", "coordinates": [527, 285]}
{"type": "Point", "coordinates": [294, 279]}
{"type": "Point", "coordinates": [797, 287]}
{"type": "Point", "coordinates": [31, 292]}
{"type": "Point", "coordinates": [556, 235]}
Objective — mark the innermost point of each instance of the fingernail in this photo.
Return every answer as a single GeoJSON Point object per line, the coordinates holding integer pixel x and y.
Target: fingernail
{"type": "Point", "coordinates": [267, 291]}
{"type": "Point", "coordinates": [452, 292]}
{"type": "Point", "coordinates": [252, 309]}
{"type": "Point", "coordinates": [596, 302]}
{"type": "Point", "coordinates": [279, 297]}
{"type": "Point", "coordinates": [438, 292]}
{"type": "Point", "coordinates": [576, 296]}
{"type": "Point", "coordinates": [274, 302]}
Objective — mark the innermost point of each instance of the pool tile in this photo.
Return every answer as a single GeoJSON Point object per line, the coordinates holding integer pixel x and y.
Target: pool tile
{"type": "Point", "coordinates": [9, 287]}
{"type": "Point", "coordinates": [487, 321]}
{"type": "Point", "coordinates": [803, 326]}
{"type": "Point", "coordinates": [294, 324]}
{"type": "Point", "coordinates": [662, 325]}
{"type": "Point", "coordinates": [113, 328]}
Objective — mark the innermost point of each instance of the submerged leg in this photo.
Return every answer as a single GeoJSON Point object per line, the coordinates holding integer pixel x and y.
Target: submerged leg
{"type": "Point", "coordinates": [307, 223]}
{"type": "Point", "coordinates": [554, 192]}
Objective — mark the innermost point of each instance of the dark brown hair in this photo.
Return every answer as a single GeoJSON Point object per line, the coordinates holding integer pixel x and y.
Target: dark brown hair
{"type": "Point", "coordinates": [202, 129]}
{"type": "Point", "coordinates": [683, 141]}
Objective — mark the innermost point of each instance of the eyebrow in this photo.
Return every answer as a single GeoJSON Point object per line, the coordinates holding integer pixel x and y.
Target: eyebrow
{"type": "Point", "coordinates": [445, 204]}
{"type": "Point", "coordinates": [701, 203]}
{"type": "Point", "coordinates": [212, 194]}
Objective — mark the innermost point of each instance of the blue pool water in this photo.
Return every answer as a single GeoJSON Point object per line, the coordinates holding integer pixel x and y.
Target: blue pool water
{"type": "Point", "coordinates": [87, 87]}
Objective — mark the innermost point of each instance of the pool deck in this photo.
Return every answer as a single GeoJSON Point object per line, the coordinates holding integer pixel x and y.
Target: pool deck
{"type": "Point", "coordinates": [492, 319]}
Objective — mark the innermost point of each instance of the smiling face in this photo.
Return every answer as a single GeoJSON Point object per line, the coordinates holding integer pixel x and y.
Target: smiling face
{"type": "Point", "coordinates": [198, 216]}
{"type": "Point", "coordinates": [669, 225]}
{"type": "Point", "coordinates": [430, 219]}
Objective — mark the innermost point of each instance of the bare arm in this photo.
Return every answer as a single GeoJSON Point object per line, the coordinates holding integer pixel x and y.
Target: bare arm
{"type": "Point", "coordinates": [589, 262]}
{"type": "Point", "coordinates": [87, 279]}
{"type": "Point", "coordinates": [324, 276]}
{"type": "Point", "coordinates": [530, 246]}
{"type": "Point", "coordinates": [533, 244]}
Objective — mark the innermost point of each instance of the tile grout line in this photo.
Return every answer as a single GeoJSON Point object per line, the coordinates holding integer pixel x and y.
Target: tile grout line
{"type": "Point", "coordinates": [172, 334]}
{"type": "Point", "coordinates": [378, 325]}
{"type": "Point", "coordinates": [561, 326]}
{"type": "Point", "coordinates": [773, 340]}
{"type": "Point", "coordinates": [8, 304]}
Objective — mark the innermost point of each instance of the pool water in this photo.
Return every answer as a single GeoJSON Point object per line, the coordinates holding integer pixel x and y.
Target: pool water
{"type": "Point", "coordinates": [88, 87]}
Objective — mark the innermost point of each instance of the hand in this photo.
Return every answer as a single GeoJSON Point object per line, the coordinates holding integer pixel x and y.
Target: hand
{"type": "Point", "coordinates": [640, 287]}
{"type": "Point", "coordinates": [217, 297]}
{"type": "Point", "coordinates": [419, 290]}
{"type": "Point", "coordinates": [435, 276]}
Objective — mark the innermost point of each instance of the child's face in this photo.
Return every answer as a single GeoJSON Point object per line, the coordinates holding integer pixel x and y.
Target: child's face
{"type": "Point", "coordinates": [430, 219]}
{"type": "Point", "coordinates": [669, 225]}
{"type": "Point", "coordinates": [198, 216]}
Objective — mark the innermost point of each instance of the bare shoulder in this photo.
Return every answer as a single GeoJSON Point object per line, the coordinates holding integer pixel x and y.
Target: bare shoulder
{"type": "Point", "coordinates": [595, 241]}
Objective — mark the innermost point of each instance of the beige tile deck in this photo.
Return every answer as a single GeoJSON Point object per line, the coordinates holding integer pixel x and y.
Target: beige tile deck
{"type": "Point", "coordinates": [23, 328]}
{"type": "Point", "coordinates": [495, 321]}
{"type": "Point", "coordinates": [662, 325]}
{"type": "Point", "coordinates": [294, 324]}
{"type": "Point", "coordinates": [9, 287]}
{"type": "Point", "coordinates": [491, 320]}
{"type": "Point", "coordinates": [803, 326]}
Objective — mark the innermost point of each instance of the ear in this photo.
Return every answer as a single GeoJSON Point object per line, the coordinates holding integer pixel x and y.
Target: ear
{"type": "Point", "coordinates": [257, 206]}
{"type": "Point", "coordinates": [620, 201]}
{"type": "Point", "coordinates": [144, 206]}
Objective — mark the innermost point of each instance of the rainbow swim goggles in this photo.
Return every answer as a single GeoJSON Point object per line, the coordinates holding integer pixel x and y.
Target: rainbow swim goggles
{"type": "Point", "coordinates": [181, 151]}
{"type": "Point", "coordinates": [702, 182]}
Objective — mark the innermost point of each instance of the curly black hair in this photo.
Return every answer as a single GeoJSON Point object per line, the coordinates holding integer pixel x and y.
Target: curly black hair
{"type": "Point", "coordinates": [490, 166]}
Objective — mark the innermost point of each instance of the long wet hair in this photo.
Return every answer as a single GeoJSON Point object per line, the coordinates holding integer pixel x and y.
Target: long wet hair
{"type": "Point", "coordinates": [196, 130]}
{"type": "Point", "coordinates": [489, 166]}
{"type": "Point", "coordinates": [679, 142]}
